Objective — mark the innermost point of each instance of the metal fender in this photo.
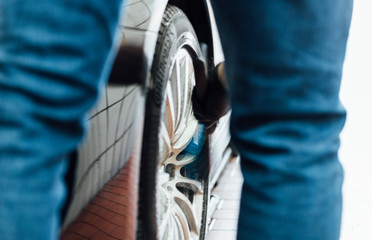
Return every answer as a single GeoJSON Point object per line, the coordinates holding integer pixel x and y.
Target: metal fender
{"type": "Point", "coordinates": [140, 24]}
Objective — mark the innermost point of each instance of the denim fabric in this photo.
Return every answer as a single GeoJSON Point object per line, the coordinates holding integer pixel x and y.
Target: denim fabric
{"type": "Point", "coordinates": [284, 63]}
{"type": "Point", "coordinates": [52, 57]}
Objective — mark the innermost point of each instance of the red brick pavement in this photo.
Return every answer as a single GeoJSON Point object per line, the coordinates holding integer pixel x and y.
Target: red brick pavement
{"type": "Point", "coordinates": [112, 213]}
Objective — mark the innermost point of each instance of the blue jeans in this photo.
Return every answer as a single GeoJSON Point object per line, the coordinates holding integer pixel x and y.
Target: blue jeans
{"type": "Point", "coordinates": [52, 58]}
{"type": "Point", "coordinates": [284, 62]}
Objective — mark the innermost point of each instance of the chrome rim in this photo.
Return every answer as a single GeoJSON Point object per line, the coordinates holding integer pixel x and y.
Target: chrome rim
{"type": "Point", "coordinates": [179, 199]}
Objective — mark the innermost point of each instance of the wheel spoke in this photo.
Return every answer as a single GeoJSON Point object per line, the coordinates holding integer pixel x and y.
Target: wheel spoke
{"type": "Point", "coordinates": [182, 222]}
{"type": "Point", "coordinates": [189, 85]}
{"type": "Point", "coordinates": [165, 145]}
{"type": "Point", "coordinates": [185, 72]}
{"type": "Point", "coordinates": [176, 89]}
{"type": "Point", "coordinates": [170, 111]}
{"type": "Point", "coordinates": [181, 160]}
{"type": "Point", "coordinates": [188, 132]}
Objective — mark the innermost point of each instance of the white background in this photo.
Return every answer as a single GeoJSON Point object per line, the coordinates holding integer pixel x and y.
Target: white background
{"type": "Point", "coordinates": [356, 146]}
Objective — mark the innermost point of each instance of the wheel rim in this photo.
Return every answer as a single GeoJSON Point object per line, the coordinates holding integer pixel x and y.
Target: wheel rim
{"type": "Point", "coordinates": [179, 199]}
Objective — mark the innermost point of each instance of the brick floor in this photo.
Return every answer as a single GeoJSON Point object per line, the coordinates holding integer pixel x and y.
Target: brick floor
{"type": "Point", "coordinates": [111, 215]}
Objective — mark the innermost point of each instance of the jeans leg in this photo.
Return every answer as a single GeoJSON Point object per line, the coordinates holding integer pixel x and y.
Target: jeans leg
{"type": "Point", "coordinates": [284, 63]}
{"type": "Point", "coordinates": [54, 57]}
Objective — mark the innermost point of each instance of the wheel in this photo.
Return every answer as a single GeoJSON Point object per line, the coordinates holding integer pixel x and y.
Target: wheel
{"type": "Point", "coordinates": [173, 197]}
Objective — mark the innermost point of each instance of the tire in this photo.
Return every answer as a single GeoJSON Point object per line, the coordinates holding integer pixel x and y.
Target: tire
{"type": "Point", "coordinates": [173, 200]}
